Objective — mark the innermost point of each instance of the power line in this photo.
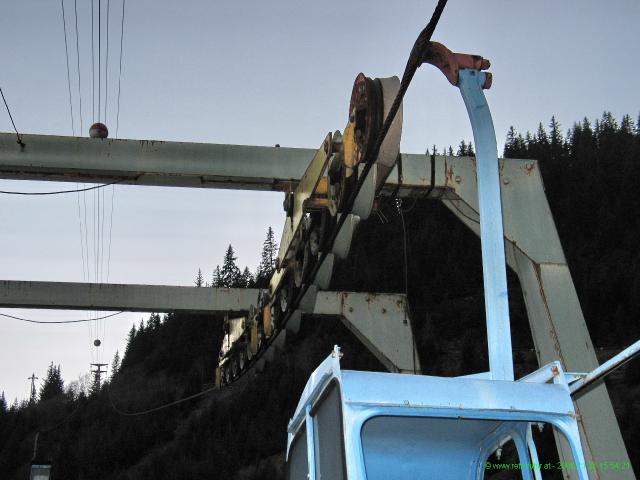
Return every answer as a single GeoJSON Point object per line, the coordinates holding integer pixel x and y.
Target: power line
{"type": "Point", "coordinates": [30, 320]}
{"type": "Point", "coordinates": [113, 192]}
{"type": "Point", "coordinates": [81, 242]}
{"type": "Point", "coordinates": [120, 69]}
{"type": "Point", "coordinates": [66, 51]}
{"type": "Point", "coordinates": [60, 191]}
{"type": "Point", "coordinates": [106, 67]}
{"type": "Point", "coordinates": [75, 6]}
{"type": "Point", "coordinates": [11, 118]}
{"type": "Point", "coordinates": [161, 407]}
{"type": "Point", "coordinates": [99, 57]}
{"type": "Point", "coordinates": [93, 66]}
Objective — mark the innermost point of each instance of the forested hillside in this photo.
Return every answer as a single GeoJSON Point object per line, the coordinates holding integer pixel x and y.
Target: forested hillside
{"type": "Point", "coordinates": [589, 173]}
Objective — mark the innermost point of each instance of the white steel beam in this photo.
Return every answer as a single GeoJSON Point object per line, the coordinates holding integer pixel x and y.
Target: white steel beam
{"type": "Point", "coordinates": [179, 164]}
{"type": "Point", "coordinates": [380, 321]}
{"type": "Point", "coordinates": [133, 298]}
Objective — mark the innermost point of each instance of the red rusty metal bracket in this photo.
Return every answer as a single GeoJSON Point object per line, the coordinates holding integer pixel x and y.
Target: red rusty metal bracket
{"type": "Point", "coordinates": [450, 63]}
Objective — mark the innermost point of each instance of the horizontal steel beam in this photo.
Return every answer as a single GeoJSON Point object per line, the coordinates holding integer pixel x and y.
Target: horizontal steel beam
{"type": "Point", "coordinates": [133, 298]}
{"type": "Point", "coordinates": [179, 164]}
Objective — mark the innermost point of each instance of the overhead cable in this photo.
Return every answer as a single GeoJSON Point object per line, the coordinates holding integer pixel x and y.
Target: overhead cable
{"type": "Point", "coordinates": [75, 6]}
{"type": "Point", "coordinates": [11, 118]}
{"type": "Point", "coordinates": [120, 69]}
{"type": "Point", "coordinates": [30, 320]}
{"type": "Point", "coordinates": [66, 52]}
{"type": "Point", "coordinates": [59, 192]}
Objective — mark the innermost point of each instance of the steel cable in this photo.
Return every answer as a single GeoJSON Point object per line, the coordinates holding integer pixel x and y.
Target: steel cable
{"type": "Point", "coordinates": [66, 51]}
{"type": "Point", "coordinates": [11, 118]}
{"type": "Point", "coordinates": [58, 322]}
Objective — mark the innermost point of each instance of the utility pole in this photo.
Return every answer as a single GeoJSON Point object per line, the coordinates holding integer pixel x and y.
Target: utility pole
{"type": "Point", "coordinates": [32, 396]}
{"type": "Point", "coordinates": [97, 373]}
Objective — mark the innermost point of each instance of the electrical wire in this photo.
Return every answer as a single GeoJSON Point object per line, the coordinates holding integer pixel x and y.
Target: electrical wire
{"type": "Point", "coordinates": [81, 236]}
{"type": "Point", "coordinates": [160, 407]}
{"type": "Point", "coordinates": [120, 69]}
{"type": "Point", "coordinates": [99, 56]}
{"type": "Point", "coordinates": [93, 65]}
{"type": "Point", "coordinates": [59, 192]}
{"type": "Point", "coordinates": [113, 192]}
{"type": "Point", "coordinates": [106, 67]}
{"type": "Point", "coordinates": [75, 6]}
{"type": "Point", "coordinates": [58, 322]}
{"type": "Point", "coordinates": [405, 258]}
{"type": "Point", "coordinates": [451, 202]}
{"type": "Point", "coordinates": [66, 51]}
{"type": "Point", "coordinates": [11, 118]}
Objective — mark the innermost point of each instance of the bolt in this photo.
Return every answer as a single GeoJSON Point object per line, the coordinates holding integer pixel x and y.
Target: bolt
{"type": "Point", "coordinates": [350, 309]}
{"type": "Point", "coordinates": [384, 310]}
{"type": "Point", "coordinates": [506, 180]}
{"type": "Point", "coordinates": [458, 179]}
{"type": "Point", "coordinates": [499, 453]}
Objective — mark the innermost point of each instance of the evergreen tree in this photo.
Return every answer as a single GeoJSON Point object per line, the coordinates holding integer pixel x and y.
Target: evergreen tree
{"type": "Point", "coordinates": [510, 143]}
{"type": "Point", "coordinates": [268, 257]}
{"type": "Point", "coordinates": [199, 281]}
{"type": "Point", "coordinates": [462, 149]}
{"type": "Point", "coordinates": [541, 136]}
{"type": "Point", "coordinates": [3, 404]}
{"type": "Point", "coordinates": [131, 337]}
{"type": "Point", "coordinates": [470, 151]}
{"type": "Point", "coordinates": [450, 151]}
{"type": "Point", "coordinates": [626, 126]}
{"type": "Point", "coordinates": [154, 322]}
{"type": "Point", "coordinates": [217, 277]}
{"type": "Point", "coordinates": [115, 365]}
{"type": "Point", "coordinates": [230, 272]}
{"type": "Point", "coordinates": [557, 142]}
{"type": "Point", "coordinates": [53, 384]}
{"type": "Point", "coordinates": [247, 278]}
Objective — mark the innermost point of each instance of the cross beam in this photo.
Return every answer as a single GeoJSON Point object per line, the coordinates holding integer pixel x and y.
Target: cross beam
{"type": "Point", "coordinates": [170, 164]}
{"type": "Point", "coordinates": [133, 298]}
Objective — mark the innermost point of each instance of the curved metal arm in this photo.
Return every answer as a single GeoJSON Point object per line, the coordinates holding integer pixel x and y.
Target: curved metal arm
{"type": "Point", "coordinates": [494, 269]}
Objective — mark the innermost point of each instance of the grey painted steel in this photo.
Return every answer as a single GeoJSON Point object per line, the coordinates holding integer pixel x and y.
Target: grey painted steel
{"type": "Point", "coordinates": [134, 298]}
{"type": "Point", "coordinates": [151, 162]}
{"type": "Point", "coordinates": [494, 268]}
{"type": "Point", "coordinates": [558, 327]}
{"type": "Point", "coordinates": [342, 243]}
{"type": "Point", "coordinates": [379, 321]}
{"type": "Point", "coordinates": [172, 164]}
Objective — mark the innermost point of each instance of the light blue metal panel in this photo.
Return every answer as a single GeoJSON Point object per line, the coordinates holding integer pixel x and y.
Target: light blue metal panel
{"type": "Point", "coordinates": [464, 394]}
{"type": "Point", "coordinates": [311, 435]}
{"type": "Point", "coordinates": [408, 448]}
{"type": "Point", "coordinates": [491, 228]}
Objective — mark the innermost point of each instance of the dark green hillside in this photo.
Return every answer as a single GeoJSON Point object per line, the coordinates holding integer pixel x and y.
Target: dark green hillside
{"type": "Point", "coordinates": [240, 432]}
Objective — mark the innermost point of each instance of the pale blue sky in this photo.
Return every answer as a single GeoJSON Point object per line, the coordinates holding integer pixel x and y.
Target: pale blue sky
{"type": "Point", "coordinates": [260, 73]}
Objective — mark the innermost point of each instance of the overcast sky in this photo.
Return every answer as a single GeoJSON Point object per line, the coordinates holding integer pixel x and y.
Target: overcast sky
{"type": "Point", "coordinates": [259, 73]}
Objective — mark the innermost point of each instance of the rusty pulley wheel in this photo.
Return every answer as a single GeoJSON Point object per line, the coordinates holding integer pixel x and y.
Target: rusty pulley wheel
{"type": "Point", "coordinates": [366, 111]}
